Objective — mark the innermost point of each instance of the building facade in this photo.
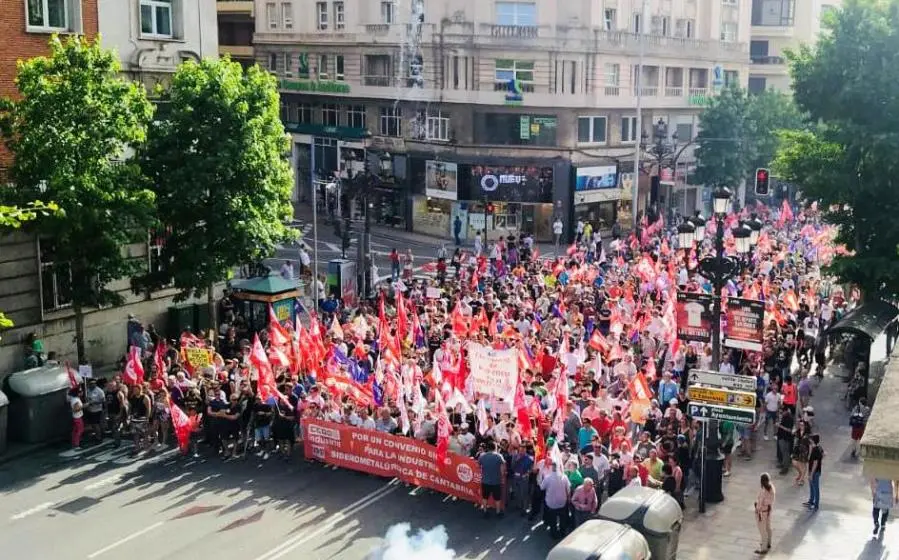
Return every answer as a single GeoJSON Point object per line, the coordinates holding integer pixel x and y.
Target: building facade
{"type": "Point", "coordinates": [153, 37]}
{"type": "Point", "coordinates": [529, 106]}
{"type": "Point", "coordinates": [236, 22]}
{"type": "Point", "coordinates": [778, 26]}
{"type": "Point", "coordinates": [36, 298]}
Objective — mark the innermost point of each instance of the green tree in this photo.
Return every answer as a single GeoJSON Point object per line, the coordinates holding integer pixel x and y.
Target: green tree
{"type": "Point", "coordinates": [738, 134]}
{"type": "Point", "coordinates": [68, 132]}
{"type": "Point", "coordinates": [216, 159]}
{"type": "Point", "coordinates": [849, 84]}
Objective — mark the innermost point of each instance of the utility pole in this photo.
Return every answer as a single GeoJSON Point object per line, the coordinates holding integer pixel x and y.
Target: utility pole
{"type": "Point", "coordinates": [638, 133]}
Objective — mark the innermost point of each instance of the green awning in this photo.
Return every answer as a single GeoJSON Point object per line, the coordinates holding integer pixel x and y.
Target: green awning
{"type": "Point", "coordinates": [269, 285]}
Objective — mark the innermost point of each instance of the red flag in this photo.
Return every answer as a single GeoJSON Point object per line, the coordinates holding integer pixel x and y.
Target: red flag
{"type": "Point", "coordinates": [73, 380]}
{"type": "Point", "coordinates": [598, 342]}
{"type": "Point", "coordinates": [639, 388]}
{"type": "Point", "coordinates": [183, 425]}
{"type": "Point", "coordinates": [266, 380]}
{"type": "Point", "coordinates": [278, 335]}
{"type": "Point", "coordinates": [159, 359]}
{"type": "Point", "coordinates": [443, 430]}
{"type": "Point", "coordinates": [402, 319]}
{"type": "Point", "coordinates": [459, 322]}
{"type": "Point", "coordinates": [134, 369]}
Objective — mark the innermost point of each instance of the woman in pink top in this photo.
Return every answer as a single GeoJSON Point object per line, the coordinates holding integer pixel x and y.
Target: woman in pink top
{"type": "Point", "coordinates": [764, 503]}
{"type": "Point", "coordinates": [584, 501]}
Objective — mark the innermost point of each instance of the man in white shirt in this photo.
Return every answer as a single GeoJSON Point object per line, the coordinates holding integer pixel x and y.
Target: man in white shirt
{"type": "Point", "coordinates": [557, 490]}
{"type": "Point", "coordinates": [557, 232]}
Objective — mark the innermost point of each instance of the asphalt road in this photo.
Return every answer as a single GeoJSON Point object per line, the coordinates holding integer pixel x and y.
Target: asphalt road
{"type": "Point", "coordinates": [104, 505]}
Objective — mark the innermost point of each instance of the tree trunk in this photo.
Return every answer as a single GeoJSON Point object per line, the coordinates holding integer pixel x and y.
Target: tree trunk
{"type": "Point", "coordinates": [79, 334]}
{"type": "Point", "coordinates": [210, 300]}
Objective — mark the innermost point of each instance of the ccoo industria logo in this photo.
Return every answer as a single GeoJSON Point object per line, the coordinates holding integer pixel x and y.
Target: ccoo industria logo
{"type": "Point", "coordinates": [514, 94]}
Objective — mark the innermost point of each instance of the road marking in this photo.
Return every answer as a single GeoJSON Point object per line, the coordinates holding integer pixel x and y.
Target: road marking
{"type": "Point", "coordinates": [36, 509]}
{"type": "Point", "coordinates": [329, 523]}
{"type": "Point", "coordinates": [130, 537]}
{"type": "Point", "coordinates": [331, 246]}
{"type": "Point", "coordinates": [101, 483]}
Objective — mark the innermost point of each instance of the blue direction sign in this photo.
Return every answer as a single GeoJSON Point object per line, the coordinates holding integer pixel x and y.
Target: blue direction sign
{"type": "Point", "coordinates": [723, 413]}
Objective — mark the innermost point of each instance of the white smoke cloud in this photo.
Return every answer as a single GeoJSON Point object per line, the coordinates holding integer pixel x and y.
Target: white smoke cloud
{"type": "Point", "coordinates": [424, 545]}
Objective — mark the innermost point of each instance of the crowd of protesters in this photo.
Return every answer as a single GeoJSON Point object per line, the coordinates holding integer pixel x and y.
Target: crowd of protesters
{"type": "Point", "coordinates": [589, 327]}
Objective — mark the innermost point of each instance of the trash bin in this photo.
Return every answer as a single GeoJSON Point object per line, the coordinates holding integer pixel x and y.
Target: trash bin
{"type": "Point", "coordinates": [601, 540]}
{"type": "Point", "coordinates": [38, 406]}
{"type": "Point", "coordinates": [653, 513]}
{"type": "Point", "coordinates": [4, 410]}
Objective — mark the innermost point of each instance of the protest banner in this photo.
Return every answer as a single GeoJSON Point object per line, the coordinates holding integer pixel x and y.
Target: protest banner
{"type": "Point", "coordinates": [493, 372]}
{"type": "Point", "coordinates": [197, 357]}
{"type": "Point", "coordinates": [388, 455]}
{"type": "Point", "coordinates": [744, 324]}
{"type": "Point", "coordinates": [694, 316]}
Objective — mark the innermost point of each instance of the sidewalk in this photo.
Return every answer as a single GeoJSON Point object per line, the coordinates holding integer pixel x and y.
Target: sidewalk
{"type": "Point", "coordinates": [840, 530]}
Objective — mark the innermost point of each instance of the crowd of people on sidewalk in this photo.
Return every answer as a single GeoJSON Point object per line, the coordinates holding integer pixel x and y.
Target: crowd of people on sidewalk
{"type": "Point", "coordinates": [600, 402]}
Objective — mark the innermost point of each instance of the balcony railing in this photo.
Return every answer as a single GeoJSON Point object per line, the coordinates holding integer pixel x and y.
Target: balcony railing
{"type": "Point", "coordinates": [526, 87]}
{"type": "Point", "coordinates": [697, 91]}
{"type": "Point", "coordinates": [767, 60]}
{"type": "Point", "coordinates": [612, 90]}
{"type": "Point", "coordinates": [674, 91]}
{"type": "Point", "coordinates": [378, 81]}
{"type": "Point", "coordinates": [514, 31]}
{"type": "Point", "coordinates": [650, 91]}
{"type": "Point", "coordinates": [377, 28]}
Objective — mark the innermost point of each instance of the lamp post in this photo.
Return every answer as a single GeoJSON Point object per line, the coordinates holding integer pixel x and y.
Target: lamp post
{"type": "Point", "coordinates": [662, 150]}
{"type": "Point", "coordinates": [686, 234]}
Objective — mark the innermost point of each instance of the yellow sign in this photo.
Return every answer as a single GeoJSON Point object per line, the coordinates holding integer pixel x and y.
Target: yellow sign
{"type": "Point", "coordinates": [197, 357]}
{"type": "Point", "coordinates": [721, 397]}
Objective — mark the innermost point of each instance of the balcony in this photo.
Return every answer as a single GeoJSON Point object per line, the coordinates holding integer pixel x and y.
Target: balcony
{"type": "Point", "coordinates": [650, 91]}
{"type": "Point", "coordinates": [377, 28]}
{"type": "Point", "coordinates": [612, 90]}
{"type": "Point", "coordinates": [378, 81]}
{"type": "Point", "coordinates": [526, 87]}
{"type": "Point", "coordinates": [756, 59]}
{"type": "Point", "coordinates": [236, 51]}
{"type": "Point", "coordinates": [674, 91]}
{"type": "Point", "coordinates": [698, 91]}
{"type": "Point", "coordinates": [234, 7]}
{"type": "Point", "coordinates": [514, 31]}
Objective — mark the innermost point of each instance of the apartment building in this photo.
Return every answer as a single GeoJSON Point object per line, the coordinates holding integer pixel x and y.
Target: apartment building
{"type": "Point", "coordinates": [779, 25]}
{"type": "Point", "coordinates": [236, 22]}
{"type": "Point", "coordinates": [35, 290]}
{"type": "Point", "coordinates": [153, 37]}
{"type": "Point", "coordinates": [527, 105]}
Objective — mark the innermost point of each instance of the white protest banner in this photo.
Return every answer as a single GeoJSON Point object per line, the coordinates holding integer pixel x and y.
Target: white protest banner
{"type": "Point", "coordinates": [493, 372]}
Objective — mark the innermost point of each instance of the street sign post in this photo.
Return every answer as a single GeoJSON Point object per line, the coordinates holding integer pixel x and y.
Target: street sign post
{"type": "Point", "coordinates": [702, 411]}
{"type": "Point", "coordinates": [721, 397]}
{"type": "Point", "coordinates": [723, 380]}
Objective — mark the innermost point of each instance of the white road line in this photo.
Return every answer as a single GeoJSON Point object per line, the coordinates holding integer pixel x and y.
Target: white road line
{"type": "Point", "coordinates": [331, 246]}
{"type": "Point", "coordinates": [329, 523]}
{"type": "Point", "coordinates": [104, 482]}
{"type": "Point", "coordinates": [36, 509]}
{"type": "Point", "coordinates": [130, 537]}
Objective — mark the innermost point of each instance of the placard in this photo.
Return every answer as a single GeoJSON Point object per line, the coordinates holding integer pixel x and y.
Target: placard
{"type": "Point", "coordinates": [381, 454]}
{"type": "Point", "coordinates": [493, 372]}
{"type": "Point", "coordinates": [432, 293]}
{"type": "Point", "coordinates": [745, 324]}
{"type": "Point", "coordinates": [197, 357]}
{"type": "Point", "coordinates": [694, 316]}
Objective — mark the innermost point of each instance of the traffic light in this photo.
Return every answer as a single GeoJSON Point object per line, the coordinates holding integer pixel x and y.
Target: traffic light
{"type": "Point", "coordinates": [761, 182]}
{"type": "Point", "coordinates": [490, 209]}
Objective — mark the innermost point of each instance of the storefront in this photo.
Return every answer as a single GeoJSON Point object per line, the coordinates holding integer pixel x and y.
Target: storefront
{"type": "Point", "coordinates": [520, 195]}
{"type": "Point", "coordinates": [597, 195]}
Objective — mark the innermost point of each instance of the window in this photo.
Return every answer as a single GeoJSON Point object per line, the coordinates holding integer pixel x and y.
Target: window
{"type": "Point", "coordinates": [330, 114]}
{"type": "Point", "coordinates": [628, 130]}
{"type": "Point", "coordinates": [288, 64]}
{"type": "Point", "coordinates": [285, 111]}
{"type": "Point", "coordinates": [684, 28]}
{"type": "Point", "coordinates": [776, 13]}
{"type": "Point", "coordinates": [508, 70]}
{"type": "Point", "coordinates": [287, 15]}
{"type": "Point", "coordinates": [387, 12]}
{"type": "Point", "coordinates": [611, 19]}
{"type": "Point", "coordinates": [612, 76]}
{"type": "Point", "coordinates": [729, 32]}
{"type": "Point", "coordinates": [156, 18]}
{"type": "Point", "coordinates": [56, 278]}
{"type": "Point", "coordinates": [273, 62]}
{"type": "Point", "coordinates": [661, 25]}
{"type": "Point", "coordinates": [438, 127]}
{"type": "Point", "coordinates": [271, 15]}
{"type": "Point", "coordinates": [155, 244]}
{"type": "Point", "coordinates": [591, 130]}
{"type": "Point", "coordinates": [731, 78]}
{"type": "Point", "coordinates": [355, 116]}
{"type": "Point", "coordinates": [304, 114]}
{"type": "Point", "coordinates": [516, 13]}
{"type": "Point", "coordinates": [321, 8]}
{"type": "Point", "coordinates": [49, 14]}
{"type": "Point", "coordinates": [638, 23]}
{"type": "Point", "coordinates": [757, 84]}
{"type": "Point", "coordinates": [303, 66]}
{"type": "Point", "coordinates": [378, 70]}
{"type": "Point", "coordinates": [391, 121]}
{"type": "Point", "coordinates": [339, 16]}
{"type": "Point", "coordinates": [338, 67]}
{"type": "Point", "coordinates": [515, 129]}
{"type": "Point", "coordinates": [730, 2]}
{"type": "Point", "coordinates": [323, 67]}
{"type": "Point", "coordinates": [684, 132]}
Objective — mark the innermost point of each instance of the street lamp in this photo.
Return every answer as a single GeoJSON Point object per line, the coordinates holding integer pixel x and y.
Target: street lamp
{"type": "Point", "coordinates": [386, 163]}
{"type": "Point", "coordinates": [662, 148]}
{"type": "Point", "coordinates": [721, 200]}
{"type": "Point", "coordinates": [742, 238]}
{"type": "Point", "coordinates": [699, 222]}
{"type": "Point", "coordinates": [755, 227]}
{"type": "Point", "coordinates": [686, 233]}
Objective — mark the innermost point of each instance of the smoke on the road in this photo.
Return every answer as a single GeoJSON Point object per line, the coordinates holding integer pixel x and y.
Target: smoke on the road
{"type": "Point", "coordinates": [424, 545]}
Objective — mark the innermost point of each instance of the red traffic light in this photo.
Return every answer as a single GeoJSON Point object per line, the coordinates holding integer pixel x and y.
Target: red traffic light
{"type": "Point", "coordinates": [761, 182]}
{"type": "Point", "coordinates": [762, 174]}
{"type": "Point", "coordinates": [490, 209]}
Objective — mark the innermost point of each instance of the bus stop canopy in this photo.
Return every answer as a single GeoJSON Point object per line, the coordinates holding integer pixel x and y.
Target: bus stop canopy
{"type": "Point", "coordinates": [868, 321]}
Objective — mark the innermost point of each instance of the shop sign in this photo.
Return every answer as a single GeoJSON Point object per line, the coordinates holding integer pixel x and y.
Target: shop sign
{"type": "Point", "coordinates": [596, 177]}
{"type": "Point", "coordinates": [323, 86]}
{"type": "Point", "coordinates": [441, 180]}
{"type": "Point", "coordinates": [512, 183]}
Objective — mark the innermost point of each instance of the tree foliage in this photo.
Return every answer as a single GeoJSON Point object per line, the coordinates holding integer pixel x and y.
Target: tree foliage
{"type": "Point", "coordinates": [68, 132]}
{"type": "Point", "coordinates": [849, 84]}
{"type": "Point", "coordinates": [216, 160]}
{"type": "Point", "coordinates": [738, 134]}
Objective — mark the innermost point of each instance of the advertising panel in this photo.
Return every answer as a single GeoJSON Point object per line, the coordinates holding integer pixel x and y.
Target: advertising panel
{"type": "Point", "coordinates": [442, 180]}
{"type": "Point", "coordinates": [694, 316]}
{"type": "Point", "coordinates": [512, 183]}
{"type": "Point", "coordinates": [391, 456]}
{"type": "Point", "coordinates": [593, 178]}
{"type": "Point", "coordinates": [744, 324]}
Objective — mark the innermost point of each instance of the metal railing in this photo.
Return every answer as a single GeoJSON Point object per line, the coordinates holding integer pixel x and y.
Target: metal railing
{"type": "Point", "coordinates": [674, 91]}
{"type": "Point", "coordinates": [698, 91]}
{"type": "Point", "coordinates": [612, 90]}
{"type": "Point", "coordinates": [650, 91]}
{"type": "Point", "coordinates": [514, 31]}
{"type": "Point", "coordinates": [378, 81]}
{"type": "Point", "coordinates": [767, 59]}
